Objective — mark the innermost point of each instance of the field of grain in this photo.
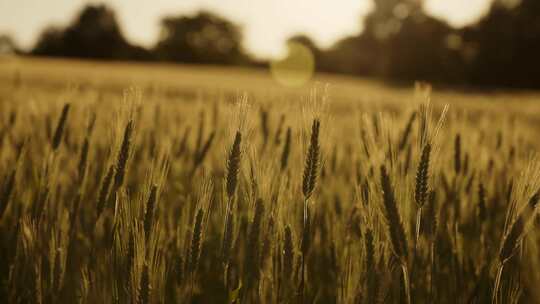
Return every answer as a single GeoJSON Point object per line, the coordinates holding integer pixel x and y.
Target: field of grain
{"type": "Point", "coordinates": [125, 183]}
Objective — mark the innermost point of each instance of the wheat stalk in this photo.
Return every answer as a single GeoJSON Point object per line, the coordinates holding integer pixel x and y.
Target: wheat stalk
{"type": "Point", "coordinates": [60, 127]}
{"type": "Point", "coordinates": [397, 232]}
{"type": "Point", "coordinates": [421, 189]}
{"type": "Point", "coordinates": [123, 156]}
{"type": "Point", "coordinates": [149, 215]}
{"type": "Point", "coordinates": [7, 190]}
{"type": "Point", "coordinates": [457, 154]}
{"type": "Point", "coordinates": [104, 190]}
{"type": "Point", "coordinates": [513, 238]}
{"type": "Point", "coordinates": [312, 162]}
{"type": "Point", "coordinates": [286, 150]}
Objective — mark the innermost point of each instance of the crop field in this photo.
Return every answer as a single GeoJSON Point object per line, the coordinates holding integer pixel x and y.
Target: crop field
{"type": "Point", "coordinates": [133, 183]}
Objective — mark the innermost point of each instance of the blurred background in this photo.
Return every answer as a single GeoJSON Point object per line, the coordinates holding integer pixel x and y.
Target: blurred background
{"type": "Point", "coordinates": [468, 43]}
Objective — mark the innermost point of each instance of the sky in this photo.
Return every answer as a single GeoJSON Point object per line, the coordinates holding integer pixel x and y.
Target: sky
{"type": "Point", "coordinates": [266, 24]}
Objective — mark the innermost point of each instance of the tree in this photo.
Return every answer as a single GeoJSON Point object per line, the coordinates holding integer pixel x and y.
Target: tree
{"type": "Point", "coordinates": [204, 38]}
{"type": "Point", "coordinates": [352, 55]}
{"type": "Point", "coordinates": [507, 45]}
{"type": "Point", "coordinates": [95, 33]}
{"type": "Point", "coordinates": [400, 42]}
{"type": "Point", "coordinates": [8, 45]}
{"type": "Point", "coordinates": [50, 42]}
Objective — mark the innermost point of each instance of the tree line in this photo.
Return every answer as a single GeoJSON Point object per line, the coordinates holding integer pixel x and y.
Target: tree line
{"type": "Point", "coordinates": [399, 42]}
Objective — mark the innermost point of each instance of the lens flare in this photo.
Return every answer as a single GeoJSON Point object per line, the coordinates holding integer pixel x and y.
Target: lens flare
{"type": "Point", "coordinates": [297, 68]}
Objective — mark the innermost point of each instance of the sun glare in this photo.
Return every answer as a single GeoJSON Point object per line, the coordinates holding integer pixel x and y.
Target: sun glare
{"type": "Point", "coordinates": [297, 68]}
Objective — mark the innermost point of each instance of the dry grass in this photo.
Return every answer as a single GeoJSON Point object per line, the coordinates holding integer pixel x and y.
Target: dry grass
{"type": "Point", "coordinates": [202, 187]}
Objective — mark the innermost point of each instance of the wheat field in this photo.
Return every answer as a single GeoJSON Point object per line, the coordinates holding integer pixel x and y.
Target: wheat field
{"type": "Point", "coordinates": [124, 183]}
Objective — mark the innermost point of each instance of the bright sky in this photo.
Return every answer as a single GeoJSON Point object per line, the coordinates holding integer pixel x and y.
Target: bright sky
{"type": "Point", "coordinates": [266, 23]}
